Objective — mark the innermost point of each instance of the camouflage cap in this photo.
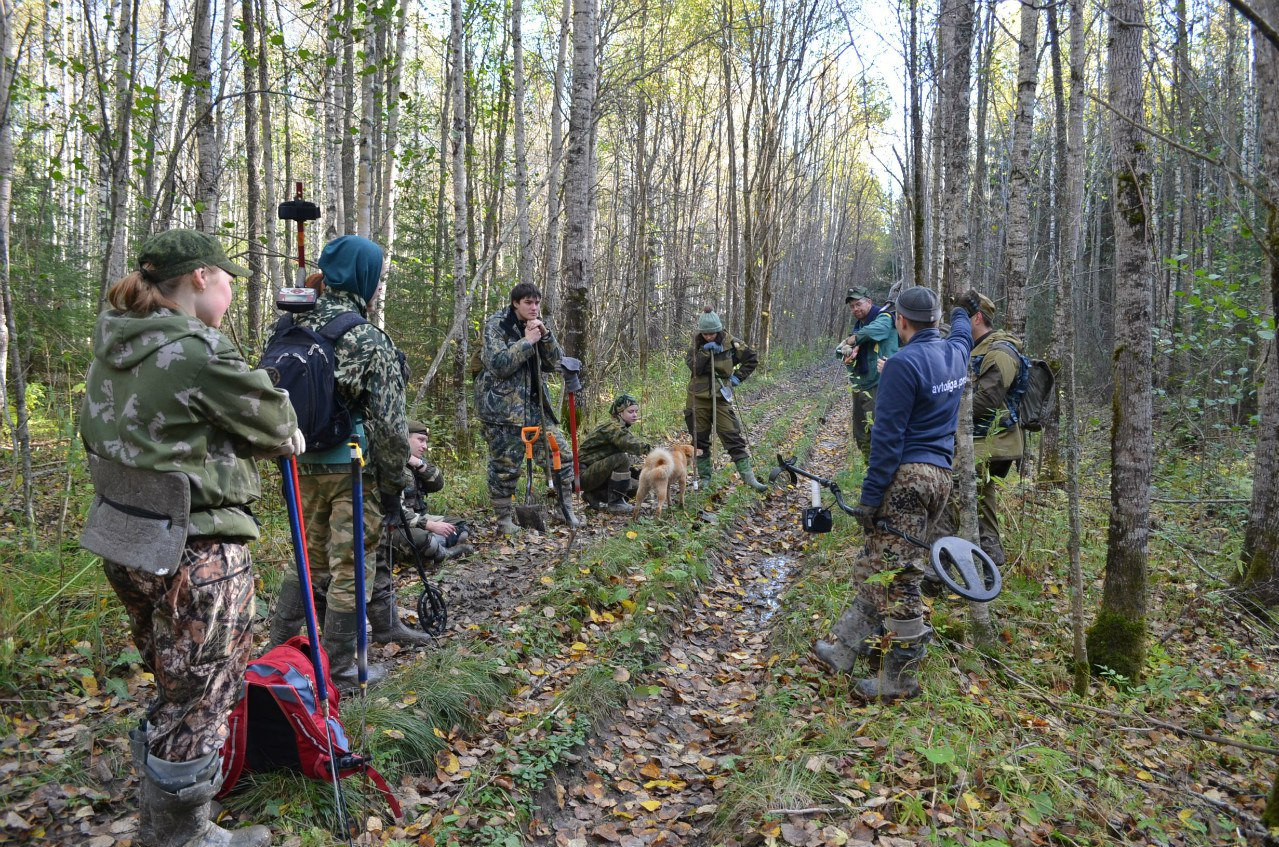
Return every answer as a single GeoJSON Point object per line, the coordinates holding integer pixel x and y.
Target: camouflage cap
{"type": "Point", "coordinates": [622, 401]}
{"type": "Point", "coordinates": [179, 251]}
{"type": "Point", "coordinates": [857, 293]}
{"type": "Point", "coordinates": [987, 306]}
{"type": "Point", "coordinates": [418, 426]}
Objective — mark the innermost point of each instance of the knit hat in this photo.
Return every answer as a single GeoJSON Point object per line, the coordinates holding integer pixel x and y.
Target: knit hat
{"type": "Point", "coordinates": [179, 251]}
{"type": "Point", "coordinates": [352, 263]}
{"type": "Point", "coordinates": [708, 321]}
{"type": "Point", "coordinates": [919, 304]}
{"type": "Point", "coordinates": [622, 401]}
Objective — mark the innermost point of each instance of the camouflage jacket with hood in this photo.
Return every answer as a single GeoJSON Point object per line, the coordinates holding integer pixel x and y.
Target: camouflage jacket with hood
{"type": "Point", "coordinates": [999, 367]}
{"type": "Point", "coordinates": [506, 388]}
{"type": "Point", "coordinates": [166, 392]}
{"type": "Point", "coordinates": [370, 371]}
{"type": "Point", "coordinates": [610, 438]}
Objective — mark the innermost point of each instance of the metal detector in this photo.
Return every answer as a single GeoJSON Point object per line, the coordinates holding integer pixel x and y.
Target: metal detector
{"type": "Point", "coordinates": [962, 566]}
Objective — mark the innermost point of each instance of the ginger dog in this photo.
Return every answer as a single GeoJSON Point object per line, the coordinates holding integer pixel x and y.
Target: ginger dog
{"type": "Point", "coordinates": [663, 466]}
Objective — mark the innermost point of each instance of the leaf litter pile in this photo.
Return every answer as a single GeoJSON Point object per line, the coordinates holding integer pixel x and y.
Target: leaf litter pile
{"type": "Point", "coordinates": [652, 685]}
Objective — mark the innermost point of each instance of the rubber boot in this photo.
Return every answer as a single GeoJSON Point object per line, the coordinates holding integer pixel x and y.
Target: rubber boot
{"type": "Point", "coordinates": [138, 747]}
{"type": "Point", "coordinates": [704, 471]}
{"type": "Point", "coordinates": [384, 614]}
{"type": "Point", "coordinates": [564, 479]}
{"type": "Point", "coordinates": [289, 613]}
{"type": "Point", "coordinates": [855, 634]}
{"type": "Point", "coordinates": [747, 473]}
{"type": "Point", "coordinates": [504, 511]}
{"type": "Point", "coordinates": [619, 484]}
{"type": "Point", "coordinates": [339, 642]}
{"type": "Point", "coordinates": [176, 797]}
{"type": "Point", "coordinates": [897, 678]}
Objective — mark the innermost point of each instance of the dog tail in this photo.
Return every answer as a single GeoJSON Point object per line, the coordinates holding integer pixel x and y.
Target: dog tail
{"type": "Point", "coordinates": [663, 464]}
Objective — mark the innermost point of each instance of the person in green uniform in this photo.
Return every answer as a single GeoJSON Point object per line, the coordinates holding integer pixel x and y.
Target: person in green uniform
{"type": "Point", "coordinates": [606, 458]}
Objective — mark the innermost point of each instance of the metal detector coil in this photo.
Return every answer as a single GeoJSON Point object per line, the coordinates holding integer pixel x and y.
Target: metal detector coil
{"type": "Point", "coordinates": [966, 569]}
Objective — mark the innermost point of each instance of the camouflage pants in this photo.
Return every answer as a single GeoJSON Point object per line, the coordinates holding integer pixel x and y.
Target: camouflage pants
{"type": "Point", "coordinates": [988, 475]}
{"type": "Point", "coordinates": [192, 628]}
{"type": "Point", "coordinates": [913, 502]}
{"type": "Point", "coordinates": [329, 511]}
{"type": "Point", "coordinates": [596, 475]}
{"type": "Point", "coordinates": [506, 456]}
{"type": "Point", "coordinates": [863, 417]}
{"type": "Point", "coordinates": [727, 424]}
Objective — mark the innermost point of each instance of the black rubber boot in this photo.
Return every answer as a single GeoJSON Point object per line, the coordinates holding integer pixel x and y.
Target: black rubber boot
{"type": "Point", "coordinates": [288, 615]}
{"type": "Point", "coordinates": [176, 798]}
{"type": "Point", "coordinates": [504, 511]}
{"type": "Point", "coordinates": [564, 479]}
{"type": "Point", "coordinates": [704, 472]}
{"type": "Point", "coordinates": [384, 614]}
{"type": "Point", "coordinates": [339, 642]}
{"type": "Point", "coordinates": [855, 635]}
{"type": "Point", "coordinates": [898, 674]}
{"type": "Point", "coordinates": [619, 485]}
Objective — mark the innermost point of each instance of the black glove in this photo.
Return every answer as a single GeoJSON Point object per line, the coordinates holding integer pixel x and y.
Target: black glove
{"type": "Point", "coordinates": [865, 515]}
{"type": "Point", "coordinates": [969, 301]}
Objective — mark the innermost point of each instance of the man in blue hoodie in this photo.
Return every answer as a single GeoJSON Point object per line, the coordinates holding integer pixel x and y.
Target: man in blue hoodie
{"type": "Point", "coordinates": [370, 375]}
{"type": "Point", "coordinates": [906, 487]}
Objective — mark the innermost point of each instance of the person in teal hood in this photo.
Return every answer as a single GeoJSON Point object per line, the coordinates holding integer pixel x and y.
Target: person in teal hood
{"type": "Point", "coordinates": [370, 375]}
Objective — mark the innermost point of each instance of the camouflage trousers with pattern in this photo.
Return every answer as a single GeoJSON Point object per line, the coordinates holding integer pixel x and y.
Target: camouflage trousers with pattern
{"type": "Point", "coordinates": [506, 457]}
{"type": "Point", "coordinates": [328, 511]}
{"type": "Point", "coordinates": [597, 475]}
{"type": "Point", "coordinates": [192, 628]}
{"type": "Point", "coordinates": [914, 501]}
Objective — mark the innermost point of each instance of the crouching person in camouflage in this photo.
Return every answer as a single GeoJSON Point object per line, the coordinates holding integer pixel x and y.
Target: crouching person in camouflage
{"type": "Point", "coordinates": [912, 445]}
{"type": "Point", "coordinates": [171, 419]}
{"type": "Point", "coordinates": [605, 457]}
{"type": "Point", "coordinates": [510, 393]}
{"type": "Point", "coordinates": [370, 377]}
{"type": "Point", "coordinates": [433, 537]}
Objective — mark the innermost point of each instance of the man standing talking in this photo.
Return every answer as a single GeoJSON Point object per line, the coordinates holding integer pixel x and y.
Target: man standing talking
{"type": "Point", "coordinates": [874, 337]}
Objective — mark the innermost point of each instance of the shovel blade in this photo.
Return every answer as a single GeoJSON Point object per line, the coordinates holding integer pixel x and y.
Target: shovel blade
{"type": "Point", "coordinates": [530, 517]}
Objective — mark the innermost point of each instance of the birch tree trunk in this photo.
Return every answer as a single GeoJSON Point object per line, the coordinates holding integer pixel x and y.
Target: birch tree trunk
{"type": "Point", "coordinates": [1050, 469]}
{"type": "Point", "coordinates": [1016, 251]}
{"type": "Point", "coordinates": [524, 248]}
{"type": "Point", "coordinates": [253, 194]}
{"type": "Point", "coordinates": [272, 266]}
{"type": "Point", "coordinates": [552, 271]}
{"type": "Point", "coordinates": [334, 192]}
{"type": "Point", "coordinates": [120, 145]}
{"type": "Point", "coordinates": [461, 300]}
{"type": "Point", "coordinates": [1118, 635]}
{"type": "Point", "coordinates": [206, 131]}
{"type": "Point", "coordinates": [579, 179]}
{"type": "Point", "coordinates": [373, 26]}
{"type": "Point", "coordinates": [1261, 540]}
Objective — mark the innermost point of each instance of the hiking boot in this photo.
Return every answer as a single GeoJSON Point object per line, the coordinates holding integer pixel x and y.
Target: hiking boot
{"type": "Point", "coordinates": [504, 511]}
{"type": "Point", "coordinates": [175, 806]}
{"type": "Point", "coordinates": [854, 635]}
{"type": "Point", "coordinates": [339, 642]}
{"type": "Point", "coordinates": [897, 678]}
{"type": "Point", "coordinates": [619, 485]}
{"type": "Point", "coordinates": [594, 501]}
{"type": "Point", "coordinates": [289, 613]}
{"type": "Point", "coordinates": [747, 474]}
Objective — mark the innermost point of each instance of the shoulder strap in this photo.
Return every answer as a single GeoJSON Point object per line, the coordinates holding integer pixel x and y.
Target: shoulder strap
{"type": "Point", "coordinates": [341, 325]}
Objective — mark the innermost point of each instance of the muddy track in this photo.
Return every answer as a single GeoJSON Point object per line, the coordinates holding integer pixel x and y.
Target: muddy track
{"type": "Point", "coordinates": [655, 773]}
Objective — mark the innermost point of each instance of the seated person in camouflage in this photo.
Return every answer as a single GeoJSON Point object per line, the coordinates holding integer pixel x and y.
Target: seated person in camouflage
{"type": "Point", "coordinates": [433, 537]}
{"type": "Point", "coordinates": [606, 458]}
{"type": "Point", "coordinates": [518, 354]}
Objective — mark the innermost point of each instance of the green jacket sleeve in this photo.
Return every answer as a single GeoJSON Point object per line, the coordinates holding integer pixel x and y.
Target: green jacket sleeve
{"type": "Point", "coordinates": [243, 402]}
{"type": "Point", "coordinates": [990, 390]}
{"type": "Point", "coordinates": [877, 330]}
{"type": "Point", "coordinates": [745, 360]}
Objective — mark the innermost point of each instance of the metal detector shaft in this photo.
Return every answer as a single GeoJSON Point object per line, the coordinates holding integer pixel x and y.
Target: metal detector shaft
{"type": "Point", "coordinates": [361, 602]}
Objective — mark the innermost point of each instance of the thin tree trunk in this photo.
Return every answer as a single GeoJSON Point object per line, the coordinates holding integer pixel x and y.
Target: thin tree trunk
{"type": "Point", "coordinates": [552, 272]}
{"type": "Point", "coordinates": [206, 131]}
{"type": "Point", "coordinates": [1117, 637]}
{"type": "Point", "coordinates": [1016, 253]}
{"type": "Point", "coordinates": [272, 265]}
{"type": "Point", "coordinates": [461, 298]}
{"type": "Point", "coordinates": [253, 188]}
{"type": "Point", "coordinates": [524, 249]}
{"type": "Point", "coordinates": [579, 180]}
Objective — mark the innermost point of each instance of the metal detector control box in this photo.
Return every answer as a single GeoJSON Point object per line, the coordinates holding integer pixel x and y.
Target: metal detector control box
{"type": "Point", "coordinates": [295, 299]}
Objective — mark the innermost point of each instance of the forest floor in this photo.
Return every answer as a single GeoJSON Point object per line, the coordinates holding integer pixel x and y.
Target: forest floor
{"type": "Point", "coordinates": [652, 684]}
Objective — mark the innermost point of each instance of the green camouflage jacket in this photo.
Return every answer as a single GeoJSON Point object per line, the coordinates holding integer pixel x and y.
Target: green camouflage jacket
{"type": "Point", "coordinates": [737, 360]}
{"type": "Point", "coordinates": [165, 392]}
{"type": "Point", "coordinates": [370, 376]}
{"type": "Point", "coordinates": [427, 479]}
{"type": "Point", "coordinates": [607, 439]}
{"type": "Point", "coordinates": [504, 390]}
{"type": "Point", "coordinates": [999, 368]}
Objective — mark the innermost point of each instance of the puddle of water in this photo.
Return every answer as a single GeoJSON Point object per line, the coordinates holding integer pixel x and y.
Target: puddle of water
{"type": "Point", "coordinates": [765, 592]}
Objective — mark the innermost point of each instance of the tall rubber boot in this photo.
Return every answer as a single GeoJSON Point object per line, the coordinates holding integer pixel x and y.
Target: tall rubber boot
{"type": "Point", "coordinates": [748, 475]}
{"type": "Point", "coordinates": [564, 479]}
{"type": "Point", "coordinates": [176, 798]}
{"type": "Point", "coordinates": [339, 642]}
{"type": "Point", "coordinates": [897, 678]}
{"type": "Point", "coordinates": [619, 485]}
{"type": "Point", "coordinates": [704, 472]}
{"type": "Point", "coordinates": [384, 614]}
{"type": "Point", "coordinates": [289, 613]}
{"type": "Point", "coordinates": [504, 511]}
{"type": "Point", "coordinates": [855, 634]}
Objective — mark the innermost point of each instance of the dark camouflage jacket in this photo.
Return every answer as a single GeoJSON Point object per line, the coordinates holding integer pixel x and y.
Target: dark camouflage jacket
{"type": "Point", "coordinates": [999, 368]}
{"type": "Point", "coordinates": [370, 376]}
{"type": "Point", "coordinates": [506, 389]}
{"type": "Point", "coordinates": [607, 439]}
{"type": "Point", "coordinates": [427, 479]}
{"type": "Point", "coordinates": [165, 392]}
{"type": "Point", "coordinates": [737, 359]}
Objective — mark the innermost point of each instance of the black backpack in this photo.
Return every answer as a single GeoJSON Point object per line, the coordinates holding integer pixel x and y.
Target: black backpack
{"type": "Point", "coordinates": [301, 361]}
{"type": "Point", "coordinates": [1032, 398]}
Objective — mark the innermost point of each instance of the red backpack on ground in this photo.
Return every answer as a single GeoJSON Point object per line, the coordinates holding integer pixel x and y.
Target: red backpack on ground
{"type": "Point", "coordinates": [279, 723]}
